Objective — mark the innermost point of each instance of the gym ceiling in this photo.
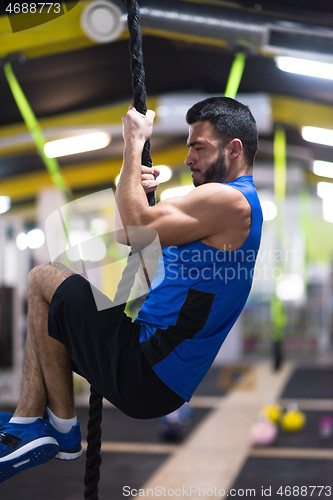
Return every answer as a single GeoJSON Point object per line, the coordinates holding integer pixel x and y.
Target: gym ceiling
{"type": "Point", "coordinates": [76, 84]}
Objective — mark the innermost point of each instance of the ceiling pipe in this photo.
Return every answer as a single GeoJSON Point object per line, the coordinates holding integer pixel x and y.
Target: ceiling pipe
{"type": "Point", "coordinates": [203, 21]}
{"type": "Point", "coordinates": [236, 27]}
{"type": "Point", "coordinates": [226, 25]}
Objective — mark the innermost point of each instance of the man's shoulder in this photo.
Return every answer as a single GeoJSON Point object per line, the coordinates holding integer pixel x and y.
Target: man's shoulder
{"type": "Point", "coordinates": [218, 193]}
{"type": "Point", "coordinates": [211, 188]}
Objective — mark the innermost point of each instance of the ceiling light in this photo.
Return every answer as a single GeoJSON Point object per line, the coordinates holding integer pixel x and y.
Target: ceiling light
{"type": "Point", "coordinates": [165, 173]}
{"type": "Point", "coordinates": [93, 249]}
{"type": "Point", "coordinates": [269, 210]}
{"type": "Point", "coordinates": [318, 135]}
{"type": "Point", "coordinates": [35, 238]}
{"type": "Point", "coordinates": [4, 204]}
{"type": "Point", "coordinates": [102, 21]}
{"type": "Point", "coordinates": [21, 241]}
{"type": "Point", "coordinates": [325, 190]}
{"type": "Point", "coordinates": [76, 237]}
{"type": "Point", "coordinates": [323, 168]}
{"type": "Point", "coordinates": [290, 287]}
{"type": "Point", "coordinates": [99, 226]}
{"type": "Point", "coordinates": [82, 245]}
{"type": "Point", "coordinates": [77, 144]}
{"type": "Point", "coordinates": [305, 67]}
{"type": "Point", "coordinates": [328, 216]}
{"type": "Point", "coordinates": [178, 191]}
{"type": "Point", "coordinates": [328, 209]}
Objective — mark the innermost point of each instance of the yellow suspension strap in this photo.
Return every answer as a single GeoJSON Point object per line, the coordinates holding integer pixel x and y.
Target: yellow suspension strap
{"type": "Point", "coordinates": [35, 130]}
{"type": "Point", "coordinates": [278, 315]}
{"type": "Point", "coordinates": [235, 75]}
{"type": "Point", "coordinates": [31, 122]}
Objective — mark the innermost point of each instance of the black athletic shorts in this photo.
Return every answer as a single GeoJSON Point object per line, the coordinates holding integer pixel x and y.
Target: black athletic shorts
{"type": "Point", "coordinates": [105, 349]}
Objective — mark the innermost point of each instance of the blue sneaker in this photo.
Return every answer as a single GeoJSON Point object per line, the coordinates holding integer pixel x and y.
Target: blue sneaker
{"type": "Point", "coordinates": [23, 446]}
{"type": "Point", "coordinates": [4, 418]}
{"type": "Point", "coordinates": [69, 443]}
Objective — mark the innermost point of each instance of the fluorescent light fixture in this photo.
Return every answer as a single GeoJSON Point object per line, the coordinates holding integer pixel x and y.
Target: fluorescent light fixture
{"type": "Point", "coordinates": [328, 209]}
{"type": "Point", "coordinates": [323, 168]}
{"type": "Point", "coordinates": [178, 191]}
{"type": "Point", "coordinates": [328, 215]}
{"type": "Point", "coordinates": [325, 190]}
{"type": "Point", "coordinates": [305, 67]}
{"type": "Point", "coordinates": [84, 246]}
{"type": "Point", "coordinates": [77, 144]}
{"type": "Point", "coordinates": [21, 241]}
{"type": "Point", "coordinates": [165, 173]}
{"type": "Point", "coordinates": [318, 135]}
{"type": "Point", "coordinates": [35, 238]}
{"type": "Point", "coordinates": [74, 250]}
{"type": "Point", "coordinates": [93, 249]}
{"type": "Point", "coordinates": [4, 204]}
{"type": "Point", "coordinates": [269, 210]}
{"type": "Point", "coordinates": [99, 226]}
{"type": "Point", "coordinates": [163, 111]}
{"type": "Point", "coordinates": [290, 287]}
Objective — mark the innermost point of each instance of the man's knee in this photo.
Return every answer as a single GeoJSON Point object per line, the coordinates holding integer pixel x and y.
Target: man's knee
{"type": "Point", "coordinates": [43, 281]}
{"type": "Point", "coordinates": [35, 276]}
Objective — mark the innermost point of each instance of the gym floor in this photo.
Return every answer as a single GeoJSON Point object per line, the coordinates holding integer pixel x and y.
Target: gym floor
{"type": "Point", "coordinates": [214, 456]}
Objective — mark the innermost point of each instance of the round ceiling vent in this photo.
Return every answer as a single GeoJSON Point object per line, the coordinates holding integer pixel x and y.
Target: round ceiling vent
{"type": "Point", "coordinates": [102, 21]}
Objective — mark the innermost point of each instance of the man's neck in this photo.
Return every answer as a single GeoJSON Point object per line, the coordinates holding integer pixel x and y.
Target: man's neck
{"type": "Point", "coordinates": [233, 175]}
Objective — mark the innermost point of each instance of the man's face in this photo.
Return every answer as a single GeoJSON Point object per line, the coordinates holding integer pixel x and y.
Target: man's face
{"type": "Point", "coordinates": [206, 158]}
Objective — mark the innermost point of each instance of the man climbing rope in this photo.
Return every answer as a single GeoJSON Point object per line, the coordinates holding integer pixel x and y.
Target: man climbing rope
{"type": "Point", "coordinates": [148, 367]}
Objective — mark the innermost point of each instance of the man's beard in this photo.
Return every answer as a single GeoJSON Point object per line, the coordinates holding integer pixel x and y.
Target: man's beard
{"type": "Point", "coordinates": [216, 172]}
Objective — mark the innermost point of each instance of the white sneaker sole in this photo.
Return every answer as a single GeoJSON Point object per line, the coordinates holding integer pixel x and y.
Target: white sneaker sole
{"type": "Point", "coordinates": [32, 445]}
{"type": "Point", "coordinates": [63, 455]}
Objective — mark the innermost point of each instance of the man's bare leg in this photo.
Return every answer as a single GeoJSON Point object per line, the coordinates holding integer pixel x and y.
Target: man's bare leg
{"type": "Point", "coordinates": [47, 371]}
{"type": "Point", "coordinates": [32, 402]}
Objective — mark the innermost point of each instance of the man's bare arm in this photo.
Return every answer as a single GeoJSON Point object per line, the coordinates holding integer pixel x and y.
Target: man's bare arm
{"type": "Point", "coordinates": [208, 210]}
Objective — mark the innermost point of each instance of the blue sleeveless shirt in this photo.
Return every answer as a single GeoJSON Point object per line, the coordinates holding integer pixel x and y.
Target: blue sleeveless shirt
{"type": "Point", "coordinates": [187, 316]}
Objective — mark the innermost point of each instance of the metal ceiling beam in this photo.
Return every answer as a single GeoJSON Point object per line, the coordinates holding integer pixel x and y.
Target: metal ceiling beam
{"type": "Point", "coordinates": [256, 30]}
{"type": "Point", "coordinates": [215, 24]}
{"type": "Point", "coordinates": [62, 34]}
{"type": "Point", "coordinates": [299, 113]}
{"type": "Point", "coordinates": [81, 175]}
{"type": "Point", "coordinates": [14, 139]}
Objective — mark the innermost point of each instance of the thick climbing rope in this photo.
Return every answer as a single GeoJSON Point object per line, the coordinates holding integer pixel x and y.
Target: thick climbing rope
{"type": "Point", "coordinates": [93, 455]}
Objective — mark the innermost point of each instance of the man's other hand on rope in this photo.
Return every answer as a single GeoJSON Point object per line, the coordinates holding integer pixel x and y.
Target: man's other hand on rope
{"type": "Point", "coordinates": [149, 179]}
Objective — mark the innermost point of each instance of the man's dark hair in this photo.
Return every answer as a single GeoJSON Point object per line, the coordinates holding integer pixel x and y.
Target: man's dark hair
{"type": "Point", "coordinates": [231, 119]}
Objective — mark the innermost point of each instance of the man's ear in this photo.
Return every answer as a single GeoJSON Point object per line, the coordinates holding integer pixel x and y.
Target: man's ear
{"type": "Point", "coordinates": [234, 148]}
